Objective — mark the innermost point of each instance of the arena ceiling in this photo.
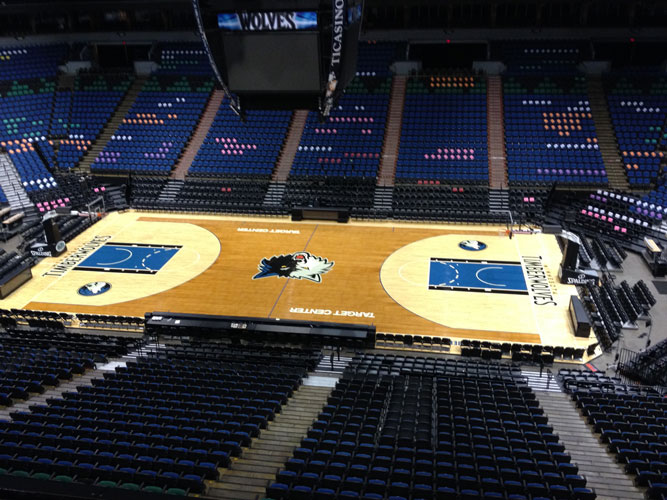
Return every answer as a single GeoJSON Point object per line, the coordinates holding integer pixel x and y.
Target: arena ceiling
{"type": "Point", "coordinates": [48, 16]}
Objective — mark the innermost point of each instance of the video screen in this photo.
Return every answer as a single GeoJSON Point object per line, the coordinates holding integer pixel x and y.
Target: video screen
{"type": "Point", "coordinates": [272, 62]}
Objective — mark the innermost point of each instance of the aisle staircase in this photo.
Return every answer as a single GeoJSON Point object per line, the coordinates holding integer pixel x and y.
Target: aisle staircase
{"type": "Point", "coordinates": [292, 141]}
{"type": "Point", "coordinates": [392, 133]}
{"type": "Point", "coordinates": [339, 365]}
{"type": "Point", "coordinates": [248, 476]}
{"type": "Point", "coordinates": [541, 381]}
{"type": "Point", "coordinates": [274, 195]}
{"type": "Point", "coordinates": [499, 200]}
{"type": "Point", "coordinates": [13, 187]}
{"type": "Point", "coordinates": [199, 135]}
{"type": "Point", "coordinates": [82, 380]}
{"type": "Point", "coordinates": [17, 197]}
{"type": "Point", "coordinates": [117, 198]}
{"type": "Point", "coordinates": [383, 198]}
{"type": "Point", "coordinates": [170, 191]}
{"type": "Point", "coordinates": [495, 123]}
{"type": "Point", "coordinates": [604, 130]}
{"type": "Point", "coordinates": [595, 462]}
{"type": "Point", "coordinates": [111, 126]}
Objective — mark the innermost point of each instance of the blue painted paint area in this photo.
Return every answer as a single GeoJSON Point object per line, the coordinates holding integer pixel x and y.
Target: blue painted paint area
{"type": "Point", "coordinates": [476, 276]}
{"type": "Point", "coordinates": [112, 257]}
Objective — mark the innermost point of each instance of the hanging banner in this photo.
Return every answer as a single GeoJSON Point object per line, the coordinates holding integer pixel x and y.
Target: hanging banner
{"type": "Point", "coordinates": [339, 14]}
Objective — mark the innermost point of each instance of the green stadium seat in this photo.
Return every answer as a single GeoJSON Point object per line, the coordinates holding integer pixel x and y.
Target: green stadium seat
{"type": "Point", "coordinates": [107, 484]}
{"type": "Point", "coordinates": [176, 491]}
{"type": "Point", "coordinates": [130, 486]}
{"type": "Point", "coordinates": [152, 489]}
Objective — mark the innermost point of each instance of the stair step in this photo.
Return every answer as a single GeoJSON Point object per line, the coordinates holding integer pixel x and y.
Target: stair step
{"type": "Point", "coordinates": [233, 495]}
{"type": "Point", "coordinates": [12, 185]}
{"type": "Point", "coordinates": [392, 137]}
{"type": "Point", "coordinates": [237, 488]}
{"type": "Point", "coordinates": [496, 133]}
{"type": "Point", "coordinates": [594, 461]}
{"type": "Point", "coordinates": [256, 468]}
{"type": "Point", "coordinates": [246, 478]}
{"type": "Point", "coordinates": [292, 140]}
{"type": "Point", "coordinates": [112, 125]}
{"type": "Point", "coordinates": [605, 134]}
{"type": "Point", "coordinates": [382, 200]}
{"type": "Point", "coordinates": [250, 475]}
{"type": "Point", "coordinates": [274, 195]}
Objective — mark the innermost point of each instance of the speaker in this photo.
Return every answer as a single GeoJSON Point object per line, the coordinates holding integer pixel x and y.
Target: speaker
{"type": "Point", "coordinates": [52, 231]}
{"type": "Point", "coordinates": [580, 322]}
{"type": "Point", "coordinates": [54, 240]}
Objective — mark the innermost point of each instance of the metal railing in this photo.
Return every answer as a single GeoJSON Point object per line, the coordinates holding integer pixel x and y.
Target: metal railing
{"type": "Point", "coordinates": [636, 367]}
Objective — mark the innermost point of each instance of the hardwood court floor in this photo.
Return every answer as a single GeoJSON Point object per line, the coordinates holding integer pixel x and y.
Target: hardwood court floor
{"type": "Point", "coordinates": [404, 278]}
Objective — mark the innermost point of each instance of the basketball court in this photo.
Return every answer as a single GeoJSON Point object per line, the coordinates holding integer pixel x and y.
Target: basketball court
{"type": "Point", "coordinates": [458, 281]}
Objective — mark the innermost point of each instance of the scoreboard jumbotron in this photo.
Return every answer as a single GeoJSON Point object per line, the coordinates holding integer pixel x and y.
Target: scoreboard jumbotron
{"type": "Point", "coordinates": [281, 54]}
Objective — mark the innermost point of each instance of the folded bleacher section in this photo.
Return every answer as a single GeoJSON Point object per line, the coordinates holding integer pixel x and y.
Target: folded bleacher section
{"type": "Point", "coordinates": [612, 306]}
{"type": "Point", "coordinates": [241, 196]}
{"type": "Point", "coordinates": [162, 423]}
{"type": "Point", "coordinates": [144, 190]}
{"type": "Point", "coordinates": [638, 108]}
{"type": "Point", "coordinates": [528, 203]}
{"type": "Point", "coordinates": [444, 134]}
{"type": "Point", "coordinates": [426, 428]}
{"type": "Point", "coordinates": [631, 421]}
{"type": "Point", "coordinates": [433, 201]}
{"type": "Point", "coordinates": [224, 195]}
{"type": "Point", "coordinates": [598, 303]}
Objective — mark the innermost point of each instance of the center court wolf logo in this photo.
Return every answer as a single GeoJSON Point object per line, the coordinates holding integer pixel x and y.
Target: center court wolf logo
{"type": "Point", "coordinates": [472, 245]}
{"type": "Point", "coordinates": [95, 288]}
{"type": "Point", "coordinates": [298, 265]}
